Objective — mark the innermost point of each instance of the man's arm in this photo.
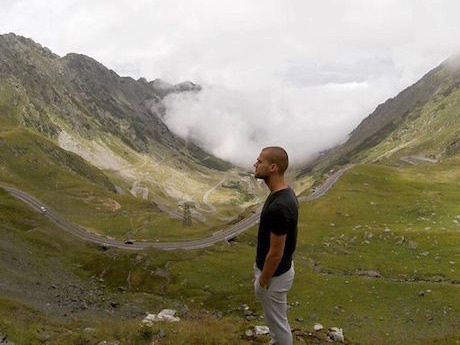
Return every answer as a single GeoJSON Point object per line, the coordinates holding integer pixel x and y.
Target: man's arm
{"type": "Point", "coordinates": [273, 258]}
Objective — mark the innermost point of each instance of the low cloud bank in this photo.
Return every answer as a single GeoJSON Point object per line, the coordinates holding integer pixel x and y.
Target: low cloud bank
{"type": "Point", "coordinates": [235, 124]}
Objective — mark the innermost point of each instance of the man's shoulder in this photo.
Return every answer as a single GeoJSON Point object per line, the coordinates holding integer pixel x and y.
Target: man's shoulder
{"type": "Point", "coordinates": [286, 196]}
{"type": "Point", "coordinates": [281, 199]}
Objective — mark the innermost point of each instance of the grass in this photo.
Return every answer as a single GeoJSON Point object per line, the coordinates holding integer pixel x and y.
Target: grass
{"type": "Point", "coordinates": [83, 194]}
{"type": "Point", "coordinates": [401, 222]}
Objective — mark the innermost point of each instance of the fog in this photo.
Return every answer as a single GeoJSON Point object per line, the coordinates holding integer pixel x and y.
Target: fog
{"type": "Point", "coordinates": [235, 124]}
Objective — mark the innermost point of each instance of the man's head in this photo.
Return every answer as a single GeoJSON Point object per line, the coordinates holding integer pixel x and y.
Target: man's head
{"type": "Point", "coordinates": [272, 160]}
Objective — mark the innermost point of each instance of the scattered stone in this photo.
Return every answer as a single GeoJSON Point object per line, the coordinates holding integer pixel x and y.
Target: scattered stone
{"type": "Point", "coordinates": [369, 273]}
{"type": "Point", "coordinates": [261, 330]}
{"type": "Point", "coordinates": [167, 315]}
{"type": "Point", "coordinates": [336, 334]}
{"type": "Point", "coordinates": [114, 304]}
{"type": "Point", "coordinates": [258, 335]}
{"type": "Point", "coordinates": [298, 333]}
{"type": "Point", "coordinates": [317, 327]}
{"type": "Point", "coordinates": [300, 319]}
{"type": "Point", "coordinates": [4, 340]}
{"type": "Point", "coordinates": [249, 333]}
{"type": "Point", "coordinates": [400, 240]}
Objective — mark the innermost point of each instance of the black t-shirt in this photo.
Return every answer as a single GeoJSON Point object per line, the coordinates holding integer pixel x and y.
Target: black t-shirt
{"type": "Point", "coordinates": [279, 215]}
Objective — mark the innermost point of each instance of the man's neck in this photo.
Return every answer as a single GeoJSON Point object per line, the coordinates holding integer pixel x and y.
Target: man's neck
{"type": "Point", "coordinates": [276, 183]}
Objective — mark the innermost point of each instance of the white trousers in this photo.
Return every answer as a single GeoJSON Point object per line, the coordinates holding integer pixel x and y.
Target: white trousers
{"type": "Point", "coordinates": [274, 303]}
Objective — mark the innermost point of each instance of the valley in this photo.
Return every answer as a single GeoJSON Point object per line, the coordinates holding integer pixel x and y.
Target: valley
{"type": "Point", "coordinates": [218, 236]}
{"type": "Point", "coordinates": [378, 249]}
{"type": "Point", "coordinates": [383, 268]}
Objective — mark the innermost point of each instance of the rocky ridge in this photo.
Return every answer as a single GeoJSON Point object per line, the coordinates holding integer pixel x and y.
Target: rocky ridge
{"type": "Point", "coordinates": [77, 94]}
{"type": "Point", "coordinates": [421, 121]}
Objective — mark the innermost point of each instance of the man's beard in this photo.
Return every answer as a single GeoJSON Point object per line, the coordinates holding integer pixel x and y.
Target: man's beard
{"type": "Point", "coordinates": [260, 176]}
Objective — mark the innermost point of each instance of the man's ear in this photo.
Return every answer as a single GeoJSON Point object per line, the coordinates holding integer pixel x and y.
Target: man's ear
{"type": "Point", "coordinates": [273, 167]}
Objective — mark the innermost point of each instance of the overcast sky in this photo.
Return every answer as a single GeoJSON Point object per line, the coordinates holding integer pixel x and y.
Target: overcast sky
{"type": "Point", "coordinates": [296, 73]}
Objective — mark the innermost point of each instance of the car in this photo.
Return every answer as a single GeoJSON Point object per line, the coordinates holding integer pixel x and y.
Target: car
{"type": "Point", "coordinates": [129, 242]}
{"type": "Point", "coordinates": [104, 246]}
{"type": "Point", "coordinates": [42, 209]}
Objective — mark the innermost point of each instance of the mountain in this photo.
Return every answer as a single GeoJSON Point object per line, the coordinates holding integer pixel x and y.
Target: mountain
{"type": "Point", "coordinates": [114, 124]}
{"type": "Point", "coordinates": [422, 121]}
{"type": "Point", "coordinates": [78, 94]}
{"type": "Point", "coordinates": [77, 137]}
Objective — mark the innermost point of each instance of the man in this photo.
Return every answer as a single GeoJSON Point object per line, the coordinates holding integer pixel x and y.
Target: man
{"type": "Point", "coordinates": [276, 242]}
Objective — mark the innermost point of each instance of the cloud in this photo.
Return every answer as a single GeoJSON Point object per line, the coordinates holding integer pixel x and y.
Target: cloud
{"type": "Point", "coordinates": [297, 73]}
{"type": "Point", "coordinates": [235, 125]}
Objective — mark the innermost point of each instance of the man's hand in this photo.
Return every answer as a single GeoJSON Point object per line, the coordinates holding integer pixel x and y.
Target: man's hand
{"type": "Point", "coordinates": [273, 258]}
{"type": "Point", "coordinates": [263, 284]}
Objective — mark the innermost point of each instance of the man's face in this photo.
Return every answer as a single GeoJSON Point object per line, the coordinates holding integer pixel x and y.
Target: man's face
{"type": "Point", "coordinates": [262, 166]}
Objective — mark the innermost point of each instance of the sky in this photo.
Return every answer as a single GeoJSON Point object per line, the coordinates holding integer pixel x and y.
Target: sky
{"type": "Point", "coordinates": [301, 74]}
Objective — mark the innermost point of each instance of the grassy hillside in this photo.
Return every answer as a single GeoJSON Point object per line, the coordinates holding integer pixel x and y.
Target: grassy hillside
{"type": "Point", "coordinates": [377, 256]}
{"type": "Point", "coordinates": [80, 192]}
{"type": "Point", "coordinates": [431, 132]}
{"type": "Point", "coordinates": [401, 225]}
{"type": "Point", "coordinates": [422, 121]}
{"type": "Point", "coordinates": [87, 195]}
{"type": "Point", "coordinates": [115, 125]}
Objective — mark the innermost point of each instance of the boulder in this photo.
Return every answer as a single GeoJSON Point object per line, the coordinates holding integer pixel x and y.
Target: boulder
{"type": "Point", "coordinates": [167, 315]}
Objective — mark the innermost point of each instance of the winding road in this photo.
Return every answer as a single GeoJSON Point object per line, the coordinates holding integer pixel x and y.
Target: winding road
{"type": "Point", "coordinates": [222, 235]}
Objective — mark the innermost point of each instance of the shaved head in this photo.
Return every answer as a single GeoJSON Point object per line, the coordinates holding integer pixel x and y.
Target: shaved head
{"type": "Point", "coordinates": [277, 155]}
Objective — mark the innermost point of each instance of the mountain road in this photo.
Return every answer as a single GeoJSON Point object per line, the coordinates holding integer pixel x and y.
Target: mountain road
{"type": "Point", "coordinates": [222, 235]}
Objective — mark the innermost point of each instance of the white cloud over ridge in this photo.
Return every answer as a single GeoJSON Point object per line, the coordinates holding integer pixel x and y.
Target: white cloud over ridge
{"type": "Point", "coordinates": [301, 74]}
{"type": "Point", "coordinates": [235, 125]}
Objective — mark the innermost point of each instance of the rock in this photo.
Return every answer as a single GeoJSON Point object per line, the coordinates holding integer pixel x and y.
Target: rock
{"type": "Point", "coordinates": [297, 333]}
{"type": "Point", "coordinates": [369, 273]}
{"type": "Point", "coordinates": [114, 304]}
{"type": "Point", "coordinates": [336, 334]}
{"type": "Point", "coordinates": [261, 330]}
{"type": "Point", "coordinates": [317, 327]}
{"type": "Point", "coordinates": [4, 340]}
{"type": "Point", "coordinates": [167, 315]}
{"type": "Point", "coordinates": [249, 333]}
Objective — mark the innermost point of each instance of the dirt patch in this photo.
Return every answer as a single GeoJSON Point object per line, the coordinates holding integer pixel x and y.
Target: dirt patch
{"type": "Point", "coordinates": [111, 204]}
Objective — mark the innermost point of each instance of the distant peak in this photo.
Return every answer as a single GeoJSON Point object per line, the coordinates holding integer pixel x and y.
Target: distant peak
{"type": "Point", "coordinates": [166, 88]}
{"type": "Point", "coordinates": [160, 84]}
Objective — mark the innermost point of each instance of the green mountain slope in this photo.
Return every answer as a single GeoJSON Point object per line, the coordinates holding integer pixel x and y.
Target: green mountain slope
{"type": "Point", "coordinates": [115, 125]}
{"type": "Point", "coordinates": [79, 94]}
{"type": "Point", "coordinates": [421, 121]}
{"type": "Point", "coordinates": [377, 256]}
